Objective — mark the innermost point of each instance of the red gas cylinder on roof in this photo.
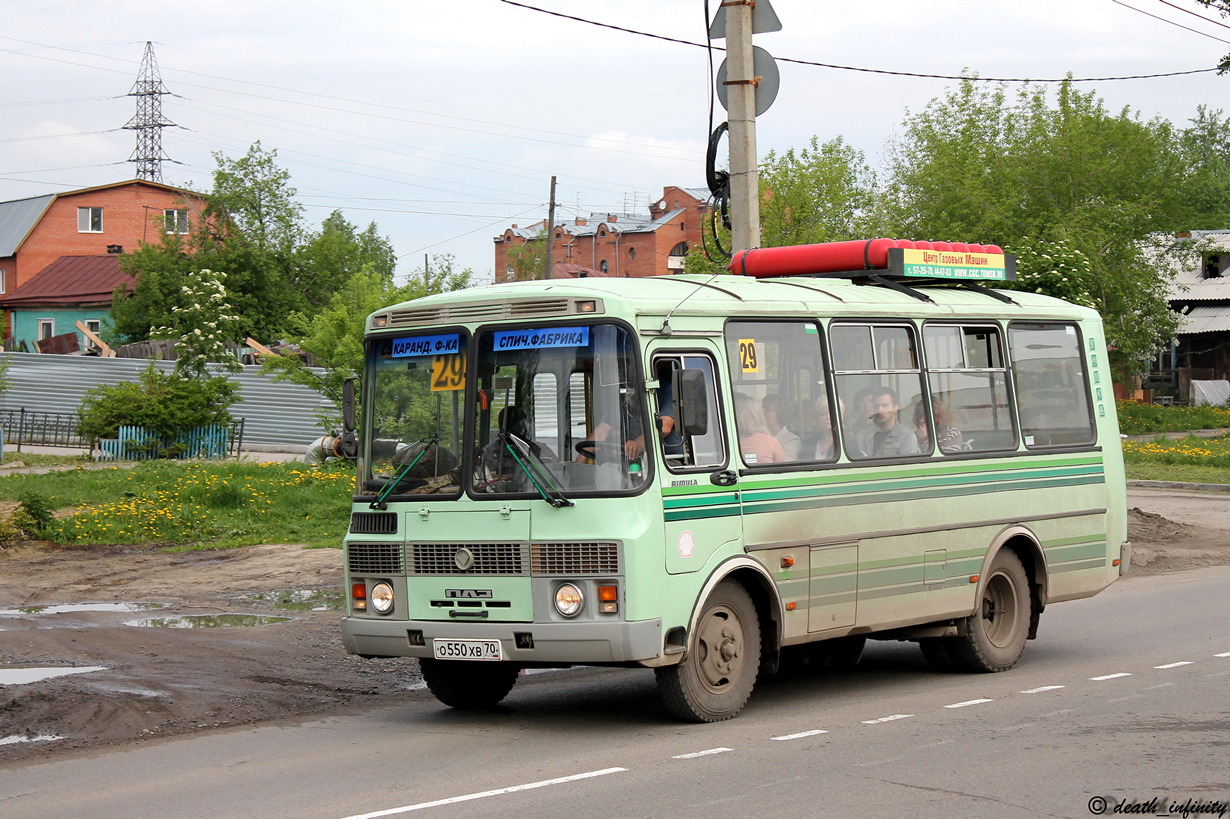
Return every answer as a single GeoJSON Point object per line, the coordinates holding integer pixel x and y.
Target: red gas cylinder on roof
{"type": "Point", "coordinates": [834, 257]}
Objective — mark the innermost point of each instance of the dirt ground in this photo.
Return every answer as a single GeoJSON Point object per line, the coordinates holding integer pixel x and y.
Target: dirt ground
{"type": "Point", "coordinates": [159, 681]}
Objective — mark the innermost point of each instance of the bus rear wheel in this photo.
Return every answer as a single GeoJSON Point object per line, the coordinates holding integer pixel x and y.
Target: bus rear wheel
{"type": "Point", "coordinates": [468, 685]}
{"type": "Point", "coordinates": [996, 632]}
{"type": "Point", "coordinates": [717, 676]}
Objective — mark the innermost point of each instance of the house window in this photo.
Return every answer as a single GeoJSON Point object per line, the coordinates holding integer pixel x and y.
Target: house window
{"type": "Point", "coordinates": [175, 220]}
{"type": "Point", "coordinates": [4, 282]}
{"type": "Point", "coordinates": [632, 254]}
{"type": "Point", "coordinates": [93, 325]}
{"type": "Point", "coordinates": [89, 220]}
{"type": "Point", "coordinates": [603, 266]}
{"type": "Point", "coordinates": [46, 328]}
{"type": "Point", "coordinates": [1215, 265]}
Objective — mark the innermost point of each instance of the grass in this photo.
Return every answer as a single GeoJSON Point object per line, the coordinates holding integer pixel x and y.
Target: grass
{"type": "Point", "coordinates": [1146, 419]}
{"type": "Point", "coordinates": [193, 505]}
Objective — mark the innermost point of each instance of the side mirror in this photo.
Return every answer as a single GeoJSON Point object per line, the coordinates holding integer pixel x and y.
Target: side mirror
{"type": "Point", "coordinates": [348, 404]}
{"type": "Point", "coordinates": [691, 401]}
{"type": "Point", "coordinates": [348, 446]}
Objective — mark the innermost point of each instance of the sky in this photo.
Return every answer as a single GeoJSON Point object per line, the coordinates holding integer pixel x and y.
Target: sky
{"type": "Point", "coordinates": [443, 122]}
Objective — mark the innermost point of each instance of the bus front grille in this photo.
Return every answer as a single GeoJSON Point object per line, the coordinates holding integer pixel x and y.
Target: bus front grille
{"type": "Point", "coordinates": [477, 558]}
{"type": "Point", "coordinates": [373, 523]}
{"type": "Point", "coordinates": [575, 558]}
{"type": "Point", "coordinates": [513, 559]}
{"type": "Point", "coordinates": [374, 558]}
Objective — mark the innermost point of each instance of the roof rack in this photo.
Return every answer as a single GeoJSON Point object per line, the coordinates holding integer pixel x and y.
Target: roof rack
{"type": "Point", "coordinates": [898, 264]}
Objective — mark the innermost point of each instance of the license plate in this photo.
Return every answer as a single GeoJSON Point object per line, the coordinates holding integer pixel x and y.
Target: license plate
{"type": "Point", "coordinates": [467, 649]}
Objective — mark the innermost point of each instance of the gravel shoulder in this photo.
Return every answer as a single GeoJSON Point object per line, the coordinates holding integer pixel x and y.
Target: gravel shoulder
{"type": "Point", "coordinates": [158, 682]}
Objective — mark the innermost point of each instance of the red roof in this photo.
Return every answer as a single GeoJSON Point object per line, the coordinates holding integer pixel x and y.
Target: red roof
{"type": "Point", "coordinates": [72, 280]}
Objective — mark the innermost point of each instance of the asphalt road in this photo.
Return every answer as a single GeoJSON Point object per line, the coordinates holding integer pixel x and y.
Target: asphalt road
{"type": "Point", "coordinates": [1123, 698]}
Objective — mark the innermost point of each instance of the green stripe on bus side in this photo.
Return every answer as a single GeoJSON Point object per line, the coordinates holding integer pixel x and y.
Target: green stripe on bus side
{"type": "Point", "coordinates": [752, 506]}
{"type": "Point", "coordinates": [918, 494]}
{"type": "Point", "coordinates": [755, 494]}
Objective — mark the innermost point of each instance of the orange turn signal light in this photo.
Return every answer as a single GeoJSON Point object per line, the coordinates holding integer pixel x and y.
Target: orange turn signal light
{"type": "Point", "coordinates": [787, 561]}
{"type": "Point", "coordinates": [973, 578]}
{"type": "Point", "coordinates": [358, 593]}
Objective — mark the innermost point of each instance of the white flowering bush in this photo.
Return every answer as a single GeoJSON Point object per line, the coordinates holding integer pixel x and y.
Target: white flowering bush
{"type": "Point", "coordinates": [1054, 268]}
{"type": "Point", "coordinates": [202, 326]}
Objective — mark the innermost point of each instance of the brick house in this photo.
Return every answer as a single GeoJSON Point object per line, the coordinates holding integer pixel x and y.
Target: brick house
{"type": "Point", "coordinates": [92, 223]}
{"type": "Point", "coordinates": [616, 245]}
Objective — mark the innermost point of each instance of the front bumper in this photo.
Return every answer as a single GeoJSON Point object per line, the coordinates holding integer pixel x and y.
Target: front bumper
{"type": "Point", "coordinates": [613, 642]}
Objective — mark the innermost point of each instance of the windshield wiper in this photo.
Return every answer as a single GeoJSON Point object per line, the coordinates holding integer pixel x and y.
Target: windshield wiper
{"type": "Point", "coordinates": [392, 482]}
{"type": "Point", "coordinates": [535, 469]}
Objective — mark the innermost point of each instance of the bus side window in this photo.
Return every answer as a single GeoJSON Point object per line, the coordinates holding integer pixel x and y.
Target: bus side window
{"type": "Point", "coordinates": [687, 395]}
{"type": "Point", "coordinates": [1052, 390]}
{"type": "Point", "coordinates": [879, 381]}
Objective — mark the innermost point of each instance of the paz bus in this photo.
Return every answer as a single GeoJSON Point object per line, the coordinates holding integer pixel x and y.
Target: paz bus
{"type": "Point", "coordinates": [696, 474]}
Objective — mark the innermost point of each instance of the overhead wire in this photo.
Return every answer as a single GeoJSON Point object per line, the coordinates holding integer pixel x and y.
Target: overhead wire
{"type": "Point", "coordinates": [836, 66]}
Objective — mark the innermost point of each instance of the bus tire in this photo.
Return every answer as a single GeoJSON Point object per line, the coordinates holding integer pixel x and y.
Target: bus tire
{"type": "Point", "coordinates": [996, 632]}
{"type": "Point", "coordinates": [468, 685]}
{"type": "Point", "coordinates": [717, 676]}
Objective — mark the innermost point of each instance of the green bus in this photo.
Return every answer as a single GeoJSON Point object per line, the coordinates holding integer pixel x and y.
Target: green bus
{"type": "Point", "coordinates": [696, 474]}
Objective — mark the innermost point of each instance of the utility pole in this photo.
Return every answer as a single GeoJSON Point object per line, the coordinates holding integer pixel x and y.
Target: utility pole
{"type": "Point", "coordinates": [546, 273]}
{"type": "Point", "coordinates": [741, 90]}
{"type": "Point", "coordinates": [148, 122]}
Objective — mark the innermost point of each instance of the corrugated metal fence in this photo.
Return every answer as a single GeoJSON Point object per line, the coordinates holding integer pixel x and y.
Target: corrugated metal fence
{"type": "Point", "coordinates": [274, 412]}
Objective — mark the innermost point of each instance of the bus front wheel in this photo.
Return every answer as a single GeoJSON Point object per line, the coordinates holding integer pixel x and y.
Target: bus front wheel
{"type": "Point", "coordinates": [996, 632]}
{"type": "Point", "coordinates": [468, 685]}
{"type": "Point", "coordinates": [717, 676]}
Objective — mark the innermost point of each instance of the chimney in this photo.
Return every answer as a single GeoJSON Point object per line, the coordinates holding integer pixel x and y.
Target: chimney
{"type": "Point", "coordinates": [611, 217]}
{"type": "Point", "coordinates": [581, 221]}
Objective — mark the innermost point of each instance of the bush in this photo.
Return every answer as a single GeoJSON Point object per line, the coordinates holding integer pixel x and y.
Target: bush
{"type": "Point", "coordinates": [164, 404]}
{"type": "Point", "coordinates": [34, 516]}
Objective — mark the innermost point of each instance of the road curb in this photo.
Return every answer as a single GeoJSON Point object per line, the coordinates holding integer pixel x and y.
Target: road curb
{"type": "Point", "coordinates": [1202, 487]}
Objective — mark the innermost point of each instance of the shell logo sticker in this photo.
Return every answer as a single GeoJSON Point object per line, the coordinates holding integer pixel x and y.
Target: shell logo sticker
{"type": "Point", "coordinates": [687, 543]}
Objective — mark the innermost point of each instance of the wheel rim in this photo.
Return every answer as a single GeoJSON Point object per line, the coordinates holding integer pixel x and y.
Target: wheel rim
{"type": "Point", "coordinates": [720, 649]}
{"type": "Point", "coordinates": [1001, 608]}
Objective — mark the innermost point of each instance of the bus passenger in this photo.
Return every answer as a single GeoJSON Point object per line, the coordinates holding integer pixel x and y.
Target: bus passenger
{"type": "Point", "coordinates": [858, 425]}
{"type": "Point", "coordinates": [949, 439]}
{"type": "Point", "coordinates": [755, 442]}
{"type": "Point", "coordinates": [778, 415]}
{"type": "Point", "coordinates": [891, 437]}
{"type": "Point", "coordinates": [821, 445]}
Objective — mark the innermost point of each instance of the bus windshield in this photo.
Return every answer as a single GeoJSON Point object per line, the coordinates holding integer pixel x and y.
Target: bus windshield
{"type": "Point", "coordinates": [414, 406]}
{"type": "Point", "coordinates": [559, 410]}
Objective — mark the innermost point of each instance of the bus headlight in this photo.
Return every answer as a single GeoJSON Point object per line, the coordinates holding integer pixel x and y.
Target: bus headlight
{"type": "Point", "coordinates": [568, 600]}
{"type": "Point", "coordinates": [382, 598]}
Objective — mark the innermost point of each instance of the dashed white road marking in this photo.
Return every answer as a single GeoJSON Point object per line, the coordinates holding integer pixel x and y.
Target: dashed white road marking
{"type": "Point", "coordinates": [886, 719]}
{"type": "Point", "coordinates": [967, 703]}
{"type": "Point", "coordinates": [497, 792]}
{"type": "Point", "coordinates": [799, 735]}
{"type": "Point", "coordinates": [1110, 676]}
{"type": "Point", "coordinates": [709, 752]}
{"type": "Point", "coordinates": [1223, 654]}
{"type": "Point", "coordinates": [1174, 665]}
{"type": "Point", "coordinates": [1043, 688]}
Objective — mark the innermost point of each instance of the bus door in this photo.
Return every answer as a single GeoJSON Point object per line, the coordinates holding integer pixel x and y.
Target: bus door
{"type": "Point", "coordinates": [700, 500]}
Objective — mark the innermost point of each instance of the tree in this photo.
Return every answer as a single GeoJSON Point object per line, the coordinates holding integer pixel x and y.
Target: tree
{"type": "Point", "coordinates": [255, 196]}
{"type": "Point", "coordinates": [819, 193]}
{"type": "Point", "coordinates": [528, 259]}
{"type": "Point", "coordinates": [201, 327]}
{"type": "Point", "coordinates": [334, 335]}
{"type": "Point", "coordinates": [253, 230]}
{"type": "Point", "coordinates": [1035, 172]}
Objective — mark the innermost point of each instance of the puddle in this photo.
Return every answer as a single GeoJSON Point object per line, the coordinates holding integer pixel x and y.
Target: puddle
{"type": "Point", "coordinates": [13, 740]}
{"type": "Point", "coordinates": [302, 599]}
{"type": "Point", "coordinates": [22, 676]}
{"type": "Point", "coordinates": [69, 608]}
{"type": "Point", "coordinates": [208, 621]}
